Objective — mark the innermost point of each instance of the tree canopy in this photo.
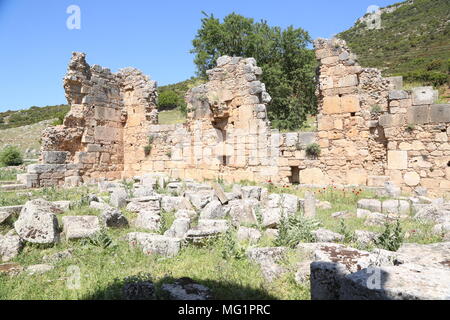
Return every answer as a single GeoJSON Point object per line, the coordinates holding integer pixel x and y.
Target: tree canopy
{"type": "Point", "coordinates": [288, 65]}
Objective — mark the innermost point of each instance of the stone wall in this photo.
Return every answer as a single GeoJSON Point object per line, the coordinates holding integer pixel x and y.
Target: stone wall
{"type": "Point", "coordinates": [370, 130]}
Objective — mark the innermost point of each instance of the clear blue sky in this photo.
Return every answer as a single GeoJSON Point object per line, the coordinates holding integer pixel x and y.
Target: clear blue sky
{"type": "Point", "coordinates": [154, 36]}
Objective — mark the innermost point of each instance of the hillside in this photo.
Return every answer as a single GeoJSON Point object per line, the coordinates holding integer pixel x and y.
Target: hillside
{"type": "Point", "coordinates": [15, 119]}
{"type": "Point", "coordinates": [414, 41]}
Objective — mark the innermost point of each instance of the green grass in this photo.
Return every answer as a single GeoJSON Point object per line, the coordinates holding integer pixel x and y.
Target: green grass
{"type": "Point", "coordinates": [171, 117]}
{"type": "Point", "coordinates": [9, 174]}
{"type": "Point", "coordinates": [102, 270]}
{"type": "Point", "coordinates": [14, 119]}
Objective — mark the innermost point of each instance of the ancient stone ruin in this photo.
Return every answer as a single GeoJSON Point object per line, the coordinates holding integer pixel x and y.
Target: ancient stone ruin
{"type": "Point", "coordinates": [370, 131]}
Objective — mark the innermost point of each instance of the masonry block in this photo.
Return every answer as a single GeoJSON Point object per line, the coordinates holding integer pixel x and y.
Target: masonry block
{"type": "Point", "coordinates": [440, 113]}
{"type": "Point", "coordinates": [418, 114]}
{"type": "Point", "coordinates": [397, 160]}
{"type": "Point", "coordinates": [424, 95]}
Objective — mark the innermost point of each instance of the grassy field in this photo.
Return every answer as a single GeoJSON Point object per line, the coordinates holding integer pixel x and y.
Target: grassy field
{"type": "Point", "coordinates": [24, 137]}
{"type": "Point", "coordinates": [171, 117]}
{"type": "Point", "coordinates": [226, 271]}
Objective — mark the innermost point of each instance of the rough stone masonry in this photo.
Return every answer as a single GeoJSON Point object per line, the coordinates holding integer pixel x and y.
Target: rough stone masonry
{"type": "Point", "coordinates": [370, 130]}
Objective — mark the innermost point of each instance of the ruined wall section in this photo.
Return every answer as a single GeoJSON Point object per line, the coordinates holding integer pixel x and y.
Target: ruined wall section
{"type": "Point", "coordinates": [418, 131]}
{"type": "Point", "coordinates": [372, 131]}
{"type": "Point", "coordinates": [347, 93]}
{"type": "Point", "coordinates": [90, 143]}
{"type": "Point", "coordinates": [139, 97]}
{"type": "Point", "coordinates": [227, 134]}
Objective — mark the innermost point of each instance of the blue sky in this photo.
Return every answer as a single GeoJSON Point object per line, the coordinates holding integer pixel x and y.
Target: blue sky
{"type": "Point", "coordinates": [154, 36]}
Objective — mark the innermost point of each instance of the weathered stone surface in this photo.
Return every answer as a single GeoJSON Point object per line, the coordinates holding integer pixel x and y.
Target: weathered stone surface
{"type": "Point", "coordinates": [288, 202]}
{"type": "Point", "coordinates": [309, 206]}
{"type": "Point", "coordinates": [38, 269]}
{"type": "Point", "coordinates": [169, 203]}
{"type": "Point", "coordinates": [10, 247]}
{"type": "Point", "coordinates": [436, 255]}
{"type": "Point", "coordinates": [11, 269]}
{"type": "Point", "coordinates": [119, 198]}
{"type": "Point", "coordinates": [271, 217]}
{"type": "Point", "coordinates": [54, 157]}
{"type": "Point", "coordinates": [152, 203]}
{"type": "Point", "coordinates": [58, 256]}
{"type": "Point", "coordinates": [220, 193]}
{"type": "Point", "coordinates": [113, 218]}
{"type": "Point", "coordinates": [365, 237]}
{"type": "Point", "coordinates": [147, 220]}
{"type": "Point", "coordinates": [370, 204]}
{"type": "Point", "coordinates": [333, 262]}
{"type": "Point", "coordinates": [37, 222]}
{"type": "Point", "coordinates": [423, 95]}
{"type": "Point", "coordinates": [438, 213]}
{"type": "Point", "coordinates": [77, 227]}
{"type": "Point", "coordinates": [155, 244]}
{"type": "Point", "coordinates": [207, 229]}
{"type": "Point", "coordinates": [251, 192]}
{"type": "Point", "coordinates": [213, 210]}
{"type": "Point", "coordinates": [99, 205]}
{"type": "Point", "coordinates": [440, 113]}
{"type": "Point", "coordinates": [324, 235]}
{"type": "Point", "coordinates": [244, 211]}
{"type": "Point", "coordinates": [187, 289]}
{"type": "Point", "coordinates": [185, 214]}
{"type": "Point", "coordinates": [179, 228]}
{"type": "Point", "coordinates": [248, 234]}
{"type": "Point", "coordinates": [199, 199]}
{"type": "Point", "coordinates": [404, 282]}
{"type": "Point", "coordinates": [4, 216]}
{"type": "Point", "coordinates": [395, 207]}
{"type": "Point", "coordinates": [267, 259]}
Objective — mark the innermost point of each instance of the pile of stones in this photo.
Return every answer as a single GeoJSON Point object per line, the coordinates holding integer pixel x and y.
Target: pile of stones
{"type": "Point", "coordinates": [203, 211]}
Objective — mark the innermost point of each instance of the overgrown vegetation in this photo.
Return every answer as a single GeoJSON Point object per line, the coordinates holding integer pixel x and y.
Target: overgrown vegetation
{"type": "Point", "coordinates": [313, 150]}
{"type": "Point", "coordinates": [10, 156]}
{"type": "Point", "coordinates": [392, 237]}
{"type": "Point", "coordinates": [14, 119]}
{"type": "Point", "coordinates": [288, 65]}
{"type": "Point", "coordinates": [414, 42]}
{"type": "Point", "coordinates": [294, 229]}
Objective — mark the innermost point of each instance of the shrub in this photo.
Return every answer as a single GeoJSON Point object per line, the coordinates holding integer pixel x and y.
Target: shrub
{"type": "Point", "coordinates": [376, 109]}
{"type": "Point", "coordinates": [410, 127]}
{"type": "Point", "coordinates": [392, 237]}
{"type": "Point", "coordinates": [11, 156]}
{"type": "Point", "coordinates": [313, 150]}
{"type": "Point", "coordinates": [295, 229]}
{"type": "Point", "coordinates": [168, 100]}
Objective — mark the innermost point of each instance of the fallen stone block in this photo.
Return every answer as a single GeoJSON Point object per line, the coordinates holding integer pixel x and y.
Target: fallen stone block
{"type": "Point", "coordinates": [187, 289]}
{"type": "Point", "coordinates": [119, 198]}
{"type": "Point", "coordinates": [268, 259]}
{"type": "Point", "coordinates": [324, 235]}
{"type": "Point", "coordinates": [169, 203]}
{"type": "Point", "coordinates": [37, 222]}
{"type": "Point", "coordinates": [155, 244]}
{"type": "Point", "coordinates": [148, 220]}
{"type": "Point", "coordinates": [248, 234]}
{"type": "Point", "coordinates": [38, 269]}
{"type": "Point", "coordinates": [220, 194]}
{"type": "Point", "coordinates": [251, 192]}
{"type": "Point", "coordinates": [78, 227]}
{"type": "Point", "coordinates": [179, 228]}
{"type": "Point", "coordinates": [10, 247]}
{"type": "Point", "coordinates": [404, 282]}
{"type": "Point", "coordinates": [369, 204]}
{"type": "Point", "coordinates": [213, 210]}
{"type": "Point", "coordinates": [113, 218]}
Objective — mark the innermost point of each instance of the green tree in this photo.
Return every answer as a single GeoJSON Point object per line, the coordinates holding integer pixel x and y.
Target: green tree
{"type": "Point", "coordinates": [288, 65]}
{"type": "Point", "coordinates": [168, 100]}
{"type": "Point", "coordinates": [10, 156]}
